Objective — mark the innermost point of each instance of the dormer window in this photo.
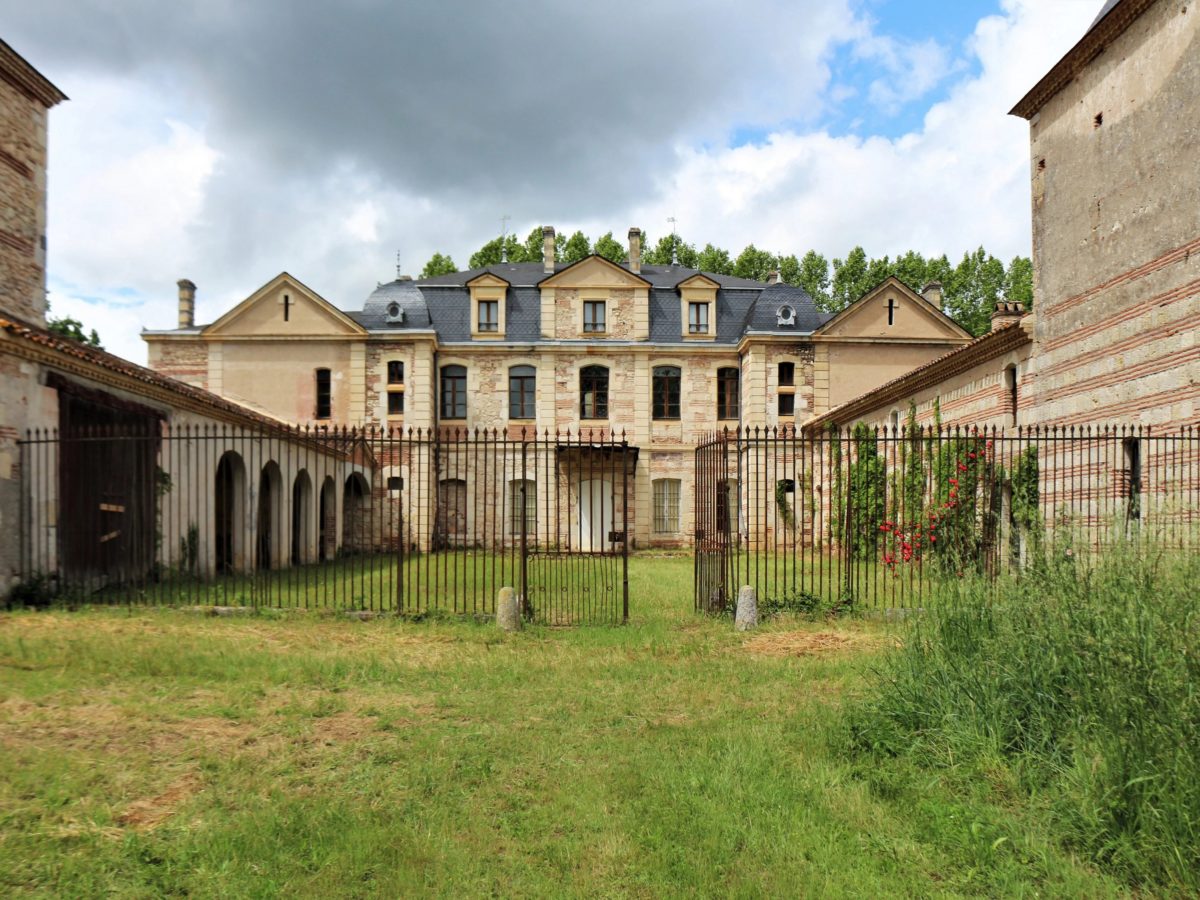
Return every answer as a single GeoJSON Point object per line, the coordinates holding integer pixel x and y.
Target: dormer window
{"type": "Point", "coordinates": [697, 318]}
{"type": "Point", "coordinates": [785, 315]}
{"type": "Point", "coordinates": [489, 316]}
{"type": "Point", "coordinates": [698, 307]}
{"type": "Point", "coordinates": [395, 314]}
{"type": "Point", "coordinates": [488, 293]}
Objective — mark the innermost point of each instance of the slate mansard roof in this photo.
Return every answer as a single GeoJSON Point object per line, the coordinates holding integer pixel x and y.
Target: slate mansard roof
{"type": "Point", "coordinates": [444, 304]}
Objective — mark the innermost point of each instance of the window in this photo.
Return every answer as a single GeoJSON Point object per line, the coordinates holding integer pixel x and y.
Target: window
{"type": "Point", "coordinates": [395, 380]}
{"type": "Point", "coordinates": [666, 506]}
{"type": "Point", "coordinates": [593, 316]}
{"type": "Point", "coordinates": [454, 392]}
{"type": "Point", "coordinates": [395, 483]}
{"type": "Point", "coordinates": [515, 506]}
{"type": "Point", "coordinates": [1133, 476]}
{"type": "Point", "coordinates": [489, 315]}
{"type": "Point", "coordinates": [728, 382]}
{"type": "Point", "coordinates": [324, 395]}
{"type": "Point", "coordinates": [697, 318]}
{"type": "Point", "coordinates": [287, 307]}
{"type": "Point", "coordinates": [787, 404]}
{"type": "Point", "coordinates": [593, 392]}
{"type": "Point", "coordinates": [521, 382]}
{"type": "Point", "coordinates": [665, 397]}
{"type": "Point", "coordinates": [787, 374]}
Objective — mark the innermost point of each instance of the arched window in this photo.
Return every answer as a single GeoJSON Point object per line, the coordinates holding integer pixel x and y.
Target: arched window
{"type": "Point", "coordinates": [522, 381]}
{"type": "Point", "coordinates": [593, 392]}
{"type": "Point", "coordinates": [728, 384]}
{"type": "Point", "coordinates": [454, 392]}
{"type": "Point", "coordinates": [665, 397]}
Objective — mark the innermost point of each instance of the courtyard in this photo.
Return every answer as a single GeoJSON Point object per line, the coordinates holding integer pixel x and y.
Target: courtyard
{"type": "Point", "coordinates": [156, 751]}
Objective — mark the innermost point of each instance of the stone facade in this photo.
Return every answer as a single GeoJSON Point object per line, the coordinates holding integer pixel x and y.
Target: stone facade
{"type": "Point", "coordinates": [25, 99]}
{"type": "Point", "coordinates": [1115, 145]}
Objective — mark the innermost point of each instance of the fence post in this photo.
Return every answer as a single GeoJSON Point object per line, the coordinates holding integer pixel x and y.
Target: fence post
{"type": "Point", "coordinates": [624, 529]}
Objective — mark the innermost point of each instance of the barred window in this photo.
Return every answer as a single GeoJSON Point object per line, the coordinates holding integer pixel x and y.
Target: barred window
{"type": "Point", "coordinates": [515, 506]}
{"type": "Point", "coordinates": [666, 392]}
{"type": "Point", "coordinates": [666, 506]}
{"type": "Point", "coordinates": [728, 383]}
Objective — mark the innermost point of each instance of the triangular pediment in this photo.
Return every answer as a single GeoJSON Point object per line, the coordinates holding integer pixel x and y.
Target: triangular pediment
{"type": "Point", "coordinates": [594, 271]}
{"type": "Point", "coordinates": [893, 310]}
{"type": "Point", "coordinates": [699, 280]}
{"type": "Point", "coordinates": [487, 279]}
{"type": "Point", "coordinates": [284, 307]}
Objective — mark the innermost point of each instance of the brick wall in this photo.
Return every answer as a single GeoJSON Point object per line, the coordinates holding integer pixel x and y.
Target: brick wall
{"type": "Point", "coordinates": [22, 205]}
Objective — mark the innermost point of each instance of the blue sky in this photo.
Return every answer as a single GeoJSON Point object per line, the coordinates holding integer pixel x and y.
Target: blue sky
{"type": "Point", "coordinates": [198, 143]}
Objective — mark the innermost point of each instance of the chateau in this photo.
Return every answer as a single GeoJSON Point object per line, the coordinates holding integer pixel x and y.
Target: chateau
{"type": "Point", "coordinates": [660, 354]}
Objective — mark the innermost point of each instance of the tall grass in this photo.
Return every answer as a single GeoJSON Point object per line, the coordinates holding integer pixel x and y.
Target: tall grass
{"type": "Point", "coordinates": [1078, 686]}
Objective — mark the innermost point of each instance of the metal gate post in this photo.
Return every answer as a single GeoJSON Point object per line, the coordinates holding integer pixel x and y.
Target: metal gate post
{"type": "Point", "coordinates": [524, 527]}
{"type": "Point", "coordinates": [624, 529]}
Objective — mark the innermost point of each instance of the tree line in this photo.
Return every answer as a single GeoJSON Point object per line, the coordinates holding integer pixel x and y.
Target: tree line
{"type": "Point", "coordinates": [970, 289]}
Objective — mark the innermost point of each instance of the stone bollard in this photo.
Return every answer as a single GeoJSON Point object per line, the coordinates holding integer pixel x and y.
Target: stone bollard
{"type": "Point", "coordinates": [508, 610]}
{"type": "Point", "coordinates": [747, 609]}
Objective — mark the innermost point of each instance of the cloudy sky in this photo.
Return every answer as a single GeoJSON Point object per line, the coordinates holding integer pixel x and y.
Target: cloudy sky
{"type": "Point", "coordinates": [227, 140]}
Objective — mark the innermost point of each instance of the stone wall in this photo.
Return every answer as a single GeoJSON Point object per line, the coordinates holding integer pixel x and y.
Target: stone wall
{"type": "Point", "coordinates": [1116, 230]}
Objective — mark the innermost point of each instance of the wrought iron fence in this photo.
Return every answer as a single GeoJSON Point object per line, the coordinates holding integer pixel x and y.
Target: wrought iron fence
{"type": "Point", "coordinates": [406, 521]}
{"type": "Point", "coordinates": [873, 516]}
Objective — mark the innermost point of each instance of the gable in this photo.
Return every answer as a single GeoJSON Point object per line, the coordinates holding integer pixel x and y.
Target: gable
{"type": "Point", "coordinates": [893, 311]}
{"type": "Point", "coordinates": [487, 279]}
{"type": "Point", "coordinates": [594, 271]}
{"type": "Point", "coordinates": [698, 281]}
{"type": "Point", "coordinates": [284, 307]}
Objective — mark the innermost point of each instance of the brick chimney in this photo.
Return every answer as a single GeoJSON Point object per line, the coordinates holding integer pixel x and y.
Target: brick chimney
{"type": "Point", "coordinates": [1006, 312]}
{"type": "Point", "coordinates": [774, 277]}
{"type": "Point", "coordinates": [635, 250]}
{"type": "Point", "coordinates": [187, 303]}
{"type": "Point", "coordinates": [548, 249]}
{"type": "Point", "coordinates": [932, 294]}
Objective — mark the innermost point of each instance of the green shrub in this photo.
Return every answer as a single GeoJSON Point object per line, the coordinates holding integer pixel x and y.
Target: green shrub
{"type": "Point", "coordinates": [1082, 683]}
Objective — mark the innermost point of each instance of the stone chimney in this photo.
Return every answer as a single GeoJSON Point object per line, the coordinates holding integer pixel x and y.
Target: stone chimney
{"type": "Point", "coordinates": [635, 250]}
{"type": "Point", "coordinates": [1006, 312]}
{"type": "Point", "coordinates": [187, 303]}
{"type": "Point", "coordinates": [773, 277]}
{"type": "Point", "coordinates": [932, 293]}
{"type": "Point", "coordinates": [548, 249]}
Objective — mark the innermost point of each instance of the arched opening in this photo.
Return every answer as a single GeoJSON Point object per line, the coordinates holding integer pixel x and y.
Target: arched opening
{"type": "Point", "coordinates": [327, 521]}
{"type": "Point", "coordinates": [230, 514]}
{"type": "Point", "coordinates": [270, 517]}
{"type": "Point", "coordinates": [356, 505]}
{"type": "Point", "coordinates": [302, 519]}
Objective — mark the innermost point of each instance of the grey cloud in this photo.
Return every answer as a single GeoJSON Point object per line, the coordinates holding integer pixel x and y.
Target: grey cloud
{"type": "Point", "coordinates": [575, 106]}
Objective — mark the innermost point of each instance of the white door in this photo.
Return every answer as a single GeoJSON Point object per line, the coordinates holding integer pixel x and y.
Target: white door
{"type": "Point", "coordinates": [595, 515]}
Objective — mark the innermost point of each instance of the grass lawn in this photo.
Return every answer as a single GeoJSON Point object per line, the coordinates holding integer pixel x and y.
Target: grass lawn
{"type": "Point", "coordinates": [146, 752]}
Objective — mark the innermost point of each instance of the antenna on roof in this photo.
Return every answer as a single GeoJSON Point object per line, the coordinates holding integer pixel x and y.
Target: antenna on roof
{"type": "Point", "coordinates": [504, 238]}
{"type": "Point", "coordinates": [398, 268]}
{"type": "Point", "coordinates": [674, 243]}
